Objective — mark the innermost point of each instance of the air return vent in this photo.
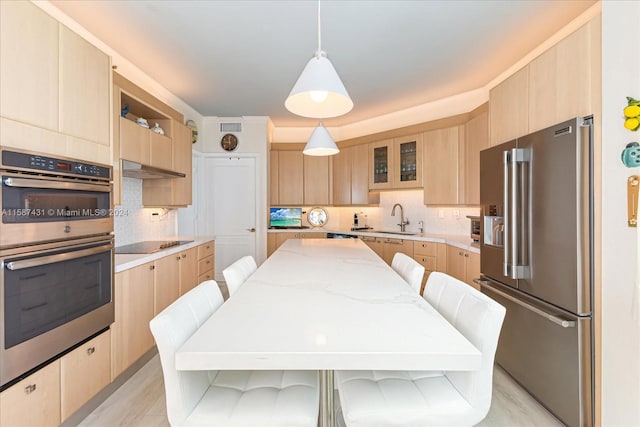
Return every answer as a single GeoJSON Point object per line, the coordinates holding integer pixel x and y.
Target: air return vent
{"type": "Point", "coordinates": [230, 127]}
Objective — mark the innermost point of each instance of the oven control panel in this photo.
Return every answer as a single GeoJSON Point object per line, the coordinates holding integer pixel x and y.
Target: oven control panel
{"type": "Point", "coordinates": [35, 162]}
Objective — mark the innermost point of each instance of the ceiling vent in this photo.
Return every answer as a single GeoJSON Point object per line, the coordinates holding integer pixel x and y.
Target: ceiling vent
{"type": "Point", "coordinates": [230, 127]}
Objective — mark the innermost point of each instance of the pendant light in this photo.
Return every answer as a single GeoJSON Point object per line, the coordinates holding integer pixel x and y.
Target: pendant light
{"type": "Point", "coordinates": [320, 143]}
{"type": "Point", "coordinates": [319, 92]}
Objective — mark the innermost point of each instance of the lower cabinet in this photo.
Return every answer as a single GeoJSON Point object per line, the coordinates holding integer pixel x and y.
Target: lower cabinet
{"type": "Point", "coordinates": [134, 308]}
{"type": "Point", "coordinates": [433, 256]}
{"type": "Point", "coordinates": [206, 262]}
{"type": "Point", "coordinates": [84, 372]}
{"type": "Point", "coordinates": [52, 394]}
{"type": "Point", "coordinates": [463, 265]}
{"type": "Point", "coordinates": [274, 240]}
{"type": "Point", "coordinates": [166, 282]}
{"type": "Point", "coordinates": [386, 248]}
{"type": "Point", "coordinates": [375, 244]}
{"type": "Point", "coordinates": [188, 270]}
{"type": "Point", "coordinates": [34, 401]}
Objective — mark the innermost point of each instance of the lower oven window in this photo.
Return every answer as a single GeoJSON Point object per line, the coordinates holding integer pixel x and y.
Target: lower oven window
{"type": "Point", "coordinates": [42, 295]}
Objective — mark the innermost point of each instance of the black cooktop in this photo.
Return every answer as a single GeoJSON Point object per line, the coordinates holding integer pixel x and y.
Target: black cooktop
{"type": "Point", "coordinates": [149, 247]}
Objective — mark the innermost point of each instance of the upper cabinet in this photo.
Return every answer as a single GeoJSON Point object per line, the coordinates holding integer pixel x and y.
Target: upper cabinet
{"type": "Point", "coordinates": [316, 180]}
{"type": "Point", "coordinates": [396, 163]}
{"type": "Point", "coordinates": [476, 139]}
{"type": "Point", "coordinates": [299, 180]}
{"type": "Point", "coordinates": [441, 168]}
{"type": "Point", "coordinates": [55, 87]}
{"type": "Point", "coordinates": [351, 177]}
{"type": "Point", "coordinates": [561, 83]}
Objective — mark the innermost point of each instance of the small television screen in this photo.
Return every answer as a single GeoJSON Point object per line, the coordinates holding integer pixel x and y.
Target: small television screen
{"type": "Point", "coordinates": [285, 217]}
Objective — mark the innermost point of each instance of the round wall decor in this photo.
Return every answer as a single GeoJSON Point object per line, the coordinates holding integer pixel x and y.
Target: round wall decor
{"type": "Point", "coordinates": [229, 142]}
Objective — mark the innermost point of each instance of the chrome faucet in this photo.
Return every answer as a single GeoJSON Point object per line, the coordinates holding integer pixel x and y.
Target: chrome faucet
{"type": "Point", "coordinates": [403, 221]}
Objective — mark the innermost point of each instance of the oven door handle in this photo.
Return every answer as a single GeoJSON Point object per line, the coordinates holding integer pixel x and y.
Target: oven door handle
{"type": "Point", "coordinates": [59, 185]}
{"type": "Point", "coordinates": [50, 259]}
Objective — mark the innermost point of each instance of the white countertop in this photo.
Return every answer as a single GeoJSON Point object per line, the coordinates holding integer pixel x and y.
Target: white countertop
{"type": "Point", "coordinates": [326, 304]}
{"type": "Point", "coordinates": [459, 241]}
{"type": "Point", "coordinates": [127, 261]}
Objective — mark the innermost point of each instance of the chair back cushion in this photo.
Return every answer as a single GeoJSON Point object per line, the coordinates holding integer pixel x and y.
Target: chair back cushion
{"type": "Point", "coordinates": [479, 318]}
{"type": "Point", "coordinates": [409, 269]}
{"type": "Point", "coordinates": [238, 272]}
{"type": "Point", "coordinates": [171, 328]}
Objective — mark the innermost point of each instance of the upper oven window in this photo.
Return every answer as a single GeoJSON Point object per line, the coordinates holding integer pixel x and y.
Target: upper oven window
{"type": "Point", "coordinates": [26, 200]}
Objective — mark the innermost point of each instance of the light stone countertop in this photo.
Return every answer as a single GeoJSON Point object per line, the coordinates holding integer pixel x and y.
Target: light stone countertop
{"type": "Point", "coordinates": [459, 241]}
{"type": "Point", "coordinates": [127, 261]}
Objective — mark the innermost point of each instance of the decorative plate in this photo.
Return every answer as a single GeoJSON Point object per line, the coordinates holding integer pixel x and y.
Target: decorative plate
{"type": "Point", "coordinates": [317, 217]}
{"type": "Point", "coordinates": [194, 130]}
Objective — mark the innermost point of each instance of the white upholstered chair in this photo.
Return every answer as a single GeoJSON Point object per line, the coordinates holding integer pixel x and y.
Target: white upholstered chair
{"type": "Point", "coordinates": [236, 274]}
{"type": "Point", "coordinates": [226, 398]}
{"type": "Point", "coordinates": [431, 398]}
{"type": "Point", "coordinates": [409, 269]}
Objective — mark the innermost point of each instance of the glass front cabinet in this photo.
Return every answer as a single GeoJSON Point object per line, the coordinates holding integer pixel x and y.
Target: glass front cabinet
{"type": "Point", "coordinates": [396, 163]}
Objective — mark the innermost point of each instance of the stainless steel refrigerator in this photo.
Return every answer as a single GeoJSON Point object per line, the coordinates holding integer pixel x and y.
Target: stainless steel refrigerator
{"type": "Point", "coordinates": [537, 260]}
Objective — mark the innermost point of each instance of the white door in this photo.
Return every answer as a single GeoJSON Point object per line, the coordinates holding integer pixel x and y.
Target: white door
{"type": "Point", "coordinates": [231, 188]}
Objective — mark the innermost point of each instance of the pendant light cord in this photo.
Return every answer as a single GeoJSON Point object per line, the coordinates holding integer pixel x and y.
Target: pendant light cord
{"type": "Point", "coordinates": [319, 53]}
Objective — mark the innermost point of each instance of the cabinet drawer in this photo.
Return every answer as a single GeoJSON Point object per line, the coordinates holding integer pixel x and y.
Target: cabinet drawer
{"type": "Point", "coordinates": [205, 250]}
{"type": "Point", "coordinates": [205, 276]}
{"type": "Point", "coordinates": [205, 265]}
{"type": "Point", "coordinates": [429, 262]}
{"type": "Point", "coordinates": [425, 248]}
{"type": "Point", "coordinates": [34, 401]}
{"type": "Point", "coordinates": [84, 372]}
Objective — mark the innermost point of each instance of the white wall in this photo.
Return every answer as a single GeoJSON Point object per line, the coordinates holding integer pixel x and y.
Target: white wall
{"type": "Point", "coordinates": [620, 331]}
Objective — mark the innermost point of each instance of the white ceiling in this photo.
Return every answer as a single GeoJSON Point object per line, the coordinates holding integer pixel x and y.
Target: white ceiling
{"type": "Point", "coordinates": [241, 58]}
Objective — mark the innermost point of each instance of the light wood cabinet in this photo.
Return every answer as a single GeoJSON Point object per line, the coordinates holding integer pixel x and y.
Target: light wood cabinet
{"type": "Point", "coordinates": [290, 178]}
{"type": "Point", "coordinates": [84, 372]}
{"type": "Point", "coordinates": [34, 401]}
{"type": "Point", "coordinates": [441, 166]}
{"type": "Point", "coordinates": [351, 177]}
{"type": "Point", "coordinates": [463, 265]}
{"type": "Point", "coordinates": [274, 240]}
{"type": "Point", "coordinates": [509, 108]}
{"type": "Point", "coordinates": [206, 261]}
{"type": "Point", "coordinates": [134, 142]}
{"type": "Point", "coordinates": [134, 309]}
{"type": "Point", "coordinates": [316, 180]}
{"type": "Point", "coordinates": [55, 87]}
{"type": "Point", "coordinates": [188, 270]}
{"type": "Point", "coordinates": [274, 178]}
{"type": "Point", "coordinates": [376, 244]}
{"type": "Point", "coordinates": [396, 163]}
{"type": "Point", "coordinates": [381, 165]}
{"type": "Point", "coordinates": [431, 255]}
{"type": "Point", "coordinates": [476, 139]}
{"type": "Point", "coordinates": [166, 281]}
{"type": "Point", "coordinates": [390, 247]}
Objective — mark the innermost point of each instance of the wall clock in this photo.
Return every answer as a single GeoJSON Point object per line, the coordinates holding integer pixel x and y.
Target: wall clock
{"type": "Point", "coordinates": [229, 142]}
{"type": "Point", "coordinates": [194, 130]}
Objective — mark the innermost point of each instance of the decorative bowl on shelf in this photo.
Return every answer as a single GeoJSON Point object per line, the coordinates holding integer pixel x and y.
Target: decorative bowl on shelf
{"type": "Point", "coordinates": [157, 129]}
{"type": "Point", "coordinates": [142, 122]}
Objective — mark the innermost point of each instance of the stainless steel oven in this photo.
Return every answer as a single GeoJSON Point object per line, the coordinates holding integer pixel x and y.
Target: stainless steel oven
{"type": "Point", "coordinates": [56, 258]}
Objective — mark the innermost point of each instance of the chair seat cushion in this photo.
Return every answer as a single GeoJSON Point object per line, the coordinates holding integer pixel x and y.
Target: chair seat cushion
{"type": "Point", "coordinates": [259, 398]}
{"type": "Point", "coordinates": [394, 398]}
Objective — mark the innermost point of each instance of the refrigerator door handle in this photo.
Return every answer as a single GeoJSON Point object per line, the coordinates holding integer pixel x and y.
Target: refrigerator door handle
{"type": "Point", "coordinates": [516, 211]}
{"type": "Point", "coordinates": [551, 317]}
{"type": "Point", "coordinates": [506, 269]}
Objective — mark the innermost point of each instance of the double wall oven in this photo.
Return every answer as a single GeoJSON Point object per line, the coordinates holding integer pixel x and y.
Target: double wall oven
{"type": "Point", "coordinates": [56, 258]}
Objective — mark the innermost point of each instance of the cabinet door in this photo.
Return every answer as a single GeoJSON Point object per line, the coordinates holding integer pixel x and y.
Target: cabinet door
{"type": "Point", "coordinates": [166, 275]}
{"type": "Point", "coordinates": [342, 171]}
{"type": "Point", "coordinates": [561, 80]}
{"type": "Point", "coordinates": [34, 401]}
{"type": "Point", "coordinates": [441, 166]}
{"type": "Point", "coordinates": [407, 157]}
{"type": "Point", "coordinates": [476, 139]}
{"type": "Point", "coordinates": [360, 194]}
{"type": "Point", "coordinates": [84, 372]}
{"type": "Point", "coordinates": [130, 333]}
{"type": "Point", "coordinates": [274, 182]}
{"type": "Point", "coordinates": [290, 178]}
{"type": "Point", "coordinates": [393, 246]}
{"type": "Point", "coordinates": [161, 151]}
{"type": "Point", "coordinates": [134, 142]}
{"type": "Point", "coordinates": [182, 191]}
{"type": "Point", "coordinates": [188, 270]}
{"type": "Point", "coordinates": [374, 243]}
{"type": "Point", "coordinates": [85, 78]}
{"type": "Point", "coordinates": [316, 180]}
{"type": "Point", "coordinates": [28, 64]}
{"type": "Point", "coordinates": [283, 237]}
{"type": "Point", "coordinates": [456, 262]}
{"type": "Point", "coordinates": [472, 268]}
{"type": "Point", "coordinates": [381, 165]}
{"type": "Point", "coordinates": [272, 244]}
{"type": "Point", "coordinates": [508, 108]}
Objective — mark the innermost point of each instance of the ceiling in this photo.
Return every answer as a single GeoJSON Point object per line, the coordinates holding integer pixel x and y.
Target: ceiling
{"type": "Point", "coordinates": [241, 58]}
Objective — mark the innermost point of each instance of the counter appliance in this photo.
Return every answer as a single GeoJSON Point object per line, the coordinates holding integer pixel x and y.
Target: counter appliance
{"type": "Point", "coordinates": [536, 194]}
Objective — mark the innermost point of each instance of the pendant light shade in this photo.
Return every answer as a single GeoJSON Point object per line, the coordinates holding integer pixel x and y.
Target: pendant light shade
{"type": "Point", "coordinates": [319, 92]}
{"type": "Point", "coordinates": [320, 143]}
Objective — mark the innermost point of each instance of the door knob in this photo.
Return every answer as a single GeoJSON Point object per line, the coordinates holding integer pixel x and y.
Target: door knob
{"type": "Point", "coordinates": [252, 229]}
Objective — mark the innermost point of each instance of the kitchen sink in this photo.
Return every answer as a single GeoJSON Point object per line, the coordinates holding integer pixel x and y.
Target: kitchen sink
{"type": "Point", "coordinates": [404, 233]}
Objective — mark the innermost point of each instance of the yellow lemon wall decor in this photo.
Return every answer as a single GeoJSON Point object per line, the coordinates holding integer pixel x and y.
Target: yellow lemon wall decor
{"type": "Point", "coordinates": [632, 114]}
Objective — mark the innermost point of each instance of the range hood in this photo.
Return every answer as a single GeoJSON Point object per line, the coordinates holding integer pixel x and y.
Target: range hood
{"type": "Point", "coordinates": [137, 170]}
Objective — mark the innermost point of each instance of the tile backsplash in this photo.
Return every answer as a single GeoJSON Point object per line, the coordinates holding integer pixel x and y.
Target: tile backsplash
{"type": "Point", "coordinates": [137, 223]}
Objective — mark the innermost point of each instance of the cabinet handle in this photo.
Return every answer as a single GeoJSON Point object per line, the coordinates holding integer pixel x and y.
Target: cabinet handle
{"type": "Point", "coordinates": [466, 255]}
{"type": "Point", "coordinates": [208, 247]}
{"type": "Point", "coordinates": [394, 243]}
{"type": "Point", "coordinates": [460, 253]}
{"type": "Point", "coordinates": [184, 256]}
{"type": "Point", "coordinates": [30, 388]}
{"type": "Point", "coordinates": [178, 258]}
{"type": "Point", "coordinates": [208, 262]}
{"type": "Point", "coordinates": [152, 267]}
{"type": "Point", "coordinates": [91, 350]}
